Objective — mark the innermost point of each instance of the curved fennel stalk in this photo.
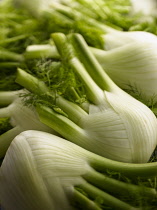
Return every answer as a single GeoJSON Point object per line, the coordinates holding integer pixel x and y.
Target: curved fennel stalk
{"type": "Point", "coordinates": [43, 171]}
{"type": "Point", "coordinates": [110, 127]}
{"type": "Point", "coordinates": [21, 118]}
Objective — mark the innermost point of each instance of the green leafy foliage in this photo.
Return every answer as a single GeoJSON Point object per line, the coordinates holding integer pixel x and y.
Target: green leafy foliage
{"type": "Point", "coordinates": [19, 29]}
{"type": "Point", "coordinates": [60, 78]}
{"type": "Point", "coordinates": [91, 34]}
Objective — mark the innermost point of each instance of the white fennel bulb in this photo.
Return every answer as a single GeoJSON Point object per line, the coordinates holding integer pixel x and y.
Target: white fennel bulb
{"type": "Point", "coordinates": [117, 38]}
{"type": "Point", "coordinates": [21, 118]}
{"type": "Point", "coordinates": [132, 67]}
{"type": "Point", "coordinates": [146, 7]}
{"type": "Point", "coordinates": [30, 184]}
{"type": "Point", "coordinates": [40, 171]}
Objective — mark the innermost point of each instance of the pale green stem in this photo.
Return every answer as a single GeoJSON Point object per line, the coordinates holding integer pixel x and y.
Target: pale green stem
{"type": "Point", "coordinates": [104, 182]}
{"type": "Point", "coordinates": [44, 51]}
{"type": "Point", "coordinates": [95, 94]}
{"type": "Point", "coordinates": [85, 105]}
{"type": "Point", "coordinates": [7, 97]}
{"type": "Point", "coordinates": [106, 29]}
{"type": "Point", "coordinates": [107, 199]}
{"type": "Point", "coordinates": [60, 17]}
{"type": "Point", "coordinates": [75, 113]}
{"type": "Point", "coordinates": [50, 51]}
{"type": "Point", "coordinates": [31, 83]}
{"type": "Point", "coordinates": [76, 15]}
{"type": "Point", "coordinates": [74, 93]}
{"type": "Point", "coordinates": [84, 202]}
{"type": "Point", "coordinates": [96, 7]}
{"type": "Point", "coordinates": [81, 7]}
{"type": "Point", "coordinates": [38, 87]}
{"type": "Point", "coordinates": [63, 126]}
{"type": "Point", "coordinates": [6, 139]}
{"type": "Point", "coordinates": [11, 56]}
{"type": "Point", "coordinates": [13, 39]}
{"type": "Point", "coordinates": [65, 10]}
{"type": "Point", "coordinates": [9, 64]}
{"type": "Point", "coordinates": [91, 64]}
{"type": "Point", "coordinates": [131, 170]}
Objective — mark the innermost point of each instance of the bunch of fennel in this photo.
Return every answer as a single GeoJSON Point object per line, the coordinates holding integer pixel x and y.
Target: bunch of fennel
{"type": "Point", "coordinates": [52, 173]}
{"type": "Point", "coordinates": [55, 182]}
{"type": "Point", "coordinates": [113, 124]}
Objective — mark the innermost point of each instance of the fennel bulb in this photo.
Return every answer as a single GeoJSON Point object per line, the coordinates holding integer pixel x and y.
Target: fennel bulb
{"type": "Point", "coordinates": [40, 171]}
{"type": "Point", "coordinates": [113, 125]}
{"type": "Point", "coordinates": [132, 67]}
{"type": "Point", "coordinates": [146, 7]}
{"type": "Point", "coordinates": [117, 38]}
{"type": "Point", "coordinates": [21, 118]}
